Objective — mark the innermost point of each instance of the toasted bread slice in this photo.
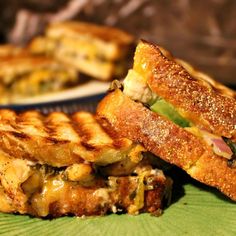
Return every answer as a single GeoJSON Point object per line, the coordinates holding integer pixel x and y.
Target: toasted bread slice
{"type": "Point", "coordinates": [59, 139]}
{"type": "Point", "coordinates": [198, 98]}
{"type": "Point", "coordinates": [126, 118]}
{"type": "Point", "coordinates": [29, 188]}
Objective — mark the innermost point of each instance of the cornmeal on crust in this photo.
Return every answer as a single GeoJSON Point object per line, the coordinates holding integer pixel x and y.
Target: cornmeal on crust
{"type": "Point", "coordinates": [200, 99]}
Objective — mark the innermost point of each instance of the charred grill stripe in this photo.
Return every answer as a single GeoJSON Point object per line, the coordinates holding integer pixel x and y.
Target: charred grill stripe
{"type": "Point", "coordinates": [88, 146]}
{"type": "Point", "coordinates": [56, 141]}
{"type": "Point", "coordinates": [59, 126]}
{"type": "Point", "coordinates": [80, 124]}
{"type": "Point", "coordinates": [19, 135]}
{"type": "Point", "coordinates": [116, 142]}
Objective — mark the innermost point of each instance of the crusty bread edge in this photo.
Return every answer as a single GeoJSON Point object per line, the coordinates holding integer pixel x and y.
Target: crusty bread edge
{"type": "Point", "coordinates": [199, 98]}
{"type": "Point", "coordinates": [120, 115]}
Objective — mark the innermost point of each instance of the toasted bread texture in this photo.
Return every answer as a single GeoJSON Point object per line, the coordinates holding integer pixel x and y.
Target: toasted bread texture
{"type": "Point", "coordinates": [124, 117]}
{"type": "Point", "coordinates": [198, 98]}
{"type": "Point", "coordinates": [60, 140]}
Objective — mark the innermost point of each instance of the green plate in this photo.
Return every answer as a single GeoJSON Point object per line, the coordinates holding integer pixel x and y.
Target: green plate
{"type": "Point", "coordinates": [196, 210]}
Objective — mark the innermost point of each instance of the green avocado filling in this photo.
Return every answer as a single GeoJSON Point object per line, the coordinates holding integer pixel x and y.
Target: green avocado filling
{"type": "Point", "coordinates": [231, 144]}
{"type": "Point", "coordinates": [162, 107]}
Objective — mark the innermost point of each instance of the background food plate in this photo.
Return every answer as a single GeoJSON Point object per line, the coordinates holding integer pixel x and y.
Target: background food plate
{"type": "Point", "coordinates": [82, 97]}
{"type": "Point", "coordinates": [83, 90]}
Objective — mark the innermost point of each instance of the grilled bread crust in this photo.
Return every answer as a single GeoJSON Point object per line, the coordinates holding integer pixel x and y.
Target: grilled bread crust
{"type": "Point", "coordinates": [126, 118]}
{"type": "Point", "coordinates": [88, 201]}
{"type": "Point", "coordinates": [199, 98]}
{"type": "Point", "coordinates": [105, 33]}
{"type": "Point", "coordinates": [58, 139]}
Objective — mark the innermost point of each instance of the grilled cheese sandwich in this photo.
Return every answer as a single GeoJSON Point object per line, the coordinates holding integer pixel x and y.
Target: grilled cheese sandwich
{"type": "Point", "coordinates": [59, 164]}
{"type": "Point", "coordinates": [28, 75]}
{"type": "Point", "coordinates": [98, 51]}
{"type": "Point", "coordinates": [178, 114]}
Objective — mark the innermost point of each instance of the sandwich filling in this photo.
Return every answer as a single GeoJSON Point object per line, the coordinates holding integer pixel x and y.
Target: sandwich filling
{"type": "Point", "coordinates": [42, 190]}
{"type": "Point", "coordinates": [136, 87]}
{"type": "Point", "coordinates": [32, 76]}
{"type": "Point", "coordinates": [90, 56]}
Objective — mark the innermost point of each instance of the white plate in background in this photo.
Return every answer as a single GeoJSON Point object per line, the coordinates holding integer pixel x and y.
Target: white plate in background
{"type": "Point", "coordinates": [90, 88]}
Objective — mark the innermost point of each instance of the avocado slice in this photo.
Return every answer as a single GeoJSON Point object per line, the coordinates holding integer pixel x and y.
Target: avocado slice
{"type": "Point", "coordinates": [231, 144]}
{"type": "Point", "coordinates": [162, 107]}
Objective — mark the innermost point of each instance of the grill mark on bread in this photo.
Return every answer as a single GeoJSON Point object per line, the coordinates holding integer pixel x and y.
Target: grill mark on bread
{"type": "Point", "coordinates": [85, 133]}
{"type": "Point", "coordinates": [57, 139]}
{"type": "Point", "coordinates": [19, 135]}
{"type": "Point", "coordinates": [88, 146]}
{"type": "Point", "coordinates": [60, 127]}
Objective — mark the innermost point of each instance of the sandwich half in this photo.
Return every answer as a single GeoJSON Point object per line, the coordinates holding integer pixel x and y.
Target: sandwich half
{"type": "Point", "coordinates": [177, 113]}
{"type": "Point", "coordinates": [58, 164]}
{"type": "Point", "coordinates": [98, 51]}
{"type": "Point", "coordinates": [24, 75]}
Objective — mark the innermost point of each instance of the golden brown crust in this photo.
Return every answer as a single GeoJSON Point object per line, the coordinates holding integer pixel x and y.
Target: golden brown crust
{"type": "Point", "coordinates": [129, 119]}
{"type": "Point", "coordinates": [204, 103]}
{"type": "Point", "coordinates": [58, 139]}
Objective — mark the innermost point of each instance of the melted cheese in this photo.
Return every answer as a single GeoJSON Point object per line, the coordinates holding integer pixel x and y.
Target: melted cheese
{"type": "Point", "coordinates": [54, 189]}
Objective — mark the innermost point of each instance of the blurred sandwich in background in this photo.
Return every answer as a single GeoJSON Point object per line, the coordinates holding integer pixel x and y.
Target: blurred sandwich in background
{"type": "Point", "coordinates": [98, 51]}
{"type": "Point", "coordinates": [24, 75]}
{"type": "Point", "coordinates": [11, 50]}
